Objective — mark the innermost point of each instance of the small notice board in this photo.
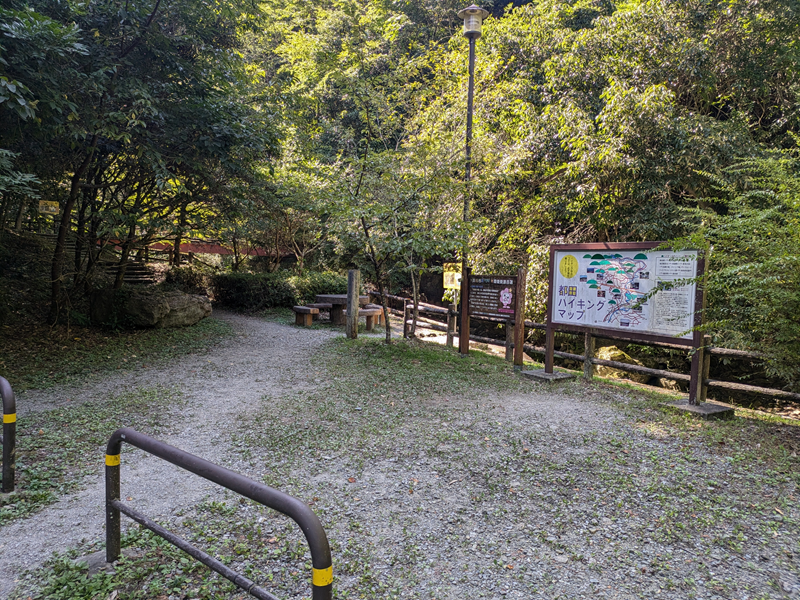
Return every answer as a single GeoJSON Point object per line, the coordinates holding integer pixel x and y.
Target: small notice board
{"type": "Point", "coordinates": [452, 276]}
{"type": "Point", "coordinates": [492, 295]}
{"type": "Point", "coordinates": [48, 208]}
{"type": "Point", "coordinates": [498, 297]}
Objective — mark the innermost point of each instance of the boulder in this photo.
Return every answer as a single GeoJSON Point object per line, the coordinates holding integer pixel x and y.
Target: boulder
{"type": "Point", "coordinates": [185, 309]}
{"type": "Point", "coordinates": [617, 355]}
{"type": "Point", "coordinates": [669, 384]}
{"type": "Point", "coordinates": [148, 308]}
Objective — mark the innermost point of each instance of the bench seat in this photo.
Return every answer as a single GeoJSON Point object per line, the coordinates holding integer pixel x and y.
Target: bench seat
{"type": "Point", "coordinates": [304, 315]}
{"type": "Point", "coordinates": [370, 314]}
{"type": "Point", "coordinates": [379, 316]}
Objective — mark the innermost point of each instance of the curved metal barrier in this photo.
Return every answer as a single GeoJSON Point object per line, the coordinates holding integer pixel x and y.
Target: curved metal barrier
{"type": "Point", "coordinates": [322, 569]}
{"type": "Point", "coordinates": [9, 437]}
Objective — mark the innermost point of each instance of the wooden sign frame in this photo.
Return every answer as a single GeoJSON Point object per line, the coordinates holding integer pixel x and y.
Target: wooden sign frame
{"type": "Point", "coordinates": [518, 281]}
{"type": "Point", "coordinates": [694, 342]}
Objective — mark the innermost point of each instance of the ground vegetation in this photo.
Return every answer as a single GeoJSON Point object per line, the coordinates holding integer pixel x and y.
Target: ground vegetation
{"type": "Point", "coordinates": [333, 133]}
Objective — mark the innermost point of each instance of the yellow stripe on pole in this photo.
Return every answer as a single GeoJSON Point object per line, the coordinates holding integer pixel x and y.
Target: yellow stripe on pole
{"type": "Point", "coordinates": [322, 577]}
{"type": "Point", "coordinates": [112, 460]}
{"type": "Point", "coordinates": [10, 418]}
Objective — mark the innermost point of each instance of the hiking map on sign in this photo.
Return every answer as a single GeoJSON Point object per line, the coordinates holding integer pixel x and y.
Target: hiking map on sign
{"type": "Point", "coordinates": [632, 290]}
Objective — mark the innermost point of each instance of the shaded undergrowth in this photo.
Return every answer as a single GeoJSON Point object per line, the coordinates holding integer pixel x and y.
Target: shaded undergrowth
{"type": "Point", "coordinates": [57, 448]}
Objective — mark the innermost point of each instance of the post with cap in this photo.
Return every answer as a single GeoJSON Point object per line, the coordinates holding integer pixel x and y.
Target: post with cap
{"type": "Point", "coordinates": [473, 21]}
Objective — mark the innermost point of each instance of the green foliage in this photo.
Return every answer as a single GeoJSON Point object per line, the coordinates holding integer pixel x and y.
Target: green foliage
{"type": "Point", "coordinates": [39, 359]}
{"type": "Point", "coordinates": [57, 448]}
{"type": "Point", "coordinates": [754, 275]}
{"type": "Point", "coordinates": [252, 291]}
{"type": "Point", "coordinates": [256, 291]}
{"type": "Point", "coordinates": [189, 279]}
{"type": "Point", "coordinates": [307, 285]}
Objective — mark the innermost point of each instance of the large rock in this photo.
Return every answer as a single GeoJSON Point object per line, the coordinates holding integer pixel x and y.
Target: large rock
{"type": "Point", "coordinates": [151, 308]}
{"type": "Point", "coordinates": [185, 309]}
{"type": "Point", "coordinates": [617, 355]}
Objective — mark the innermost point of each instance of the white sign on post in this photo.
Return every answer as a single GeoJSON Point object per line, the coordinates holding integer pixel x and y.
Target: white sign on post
{"type": "Point", "coordinates": [643, 290]}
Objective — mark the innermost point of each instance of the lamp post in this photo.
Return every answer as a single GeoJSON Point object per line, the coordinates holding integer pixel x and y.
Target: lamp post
{"type": "Point", "coordinates": [473, 20]}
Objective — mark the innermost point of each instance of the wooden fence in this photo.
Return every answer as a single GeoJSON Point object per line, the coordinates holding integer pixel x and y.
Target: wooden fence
{"type": "Point", "coordinates": [588, 359]}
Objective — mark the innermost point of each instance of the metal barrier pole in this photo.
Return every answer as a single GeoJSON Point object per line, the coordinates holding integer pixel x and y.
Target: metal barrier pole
{"type": "Point", "coordinates": [322, 569]}
{"type": "Point", "coordinates": [9, 437]}
{"type": "Point", "coordinates": [113, 533]}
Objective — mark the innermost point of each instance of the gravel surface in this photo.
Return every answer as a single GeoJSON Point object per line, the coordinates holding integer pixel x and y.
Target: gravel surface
{"type": "Point", "coordinates": [221, 388]}
{"type": "Point", "coordinates": [442, 478]}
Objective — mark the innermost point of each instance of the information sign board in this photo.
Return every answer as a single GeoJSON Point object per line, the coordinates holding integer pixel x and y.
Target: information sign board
{"type": "Point", "coordinates": [48, 208]}
{"type": "Point", "coordinates": [492, 295]}
{"type": "Point", "coordinates": [452, 276]}
{"type": "Point", "coordinates": [624, 287]}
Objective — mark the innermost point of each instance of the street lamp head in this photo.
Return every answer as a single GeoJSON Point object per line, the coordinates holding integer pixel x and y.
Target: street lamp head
{"type": "Point", "coordinates": [473, 19]}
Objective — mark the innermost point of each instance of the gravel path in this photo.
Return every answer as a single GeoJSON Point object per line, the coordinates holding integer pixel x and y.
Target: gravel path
{"type": "Point", "coordinates": [452, 481]}
{"type": "Point", "coordinates": [221, 388]}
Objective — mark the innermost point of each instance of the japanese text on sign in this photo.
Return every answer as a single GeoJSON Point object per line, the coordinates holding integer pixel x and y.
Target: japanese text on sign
{"type": "Point", "coordinates": [492, 295]}
{"type": "Point", "coordinates": [635, 290]}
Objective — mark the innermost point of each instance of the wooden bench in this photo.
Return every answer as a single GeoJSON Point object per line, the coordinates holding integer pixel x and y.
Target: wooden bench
{"type": "Point", "coordinates": [379, 316]}
{"type": "Point", "coordinates": [321, 306]}
{"type": "Point", "coordinates": [304, 315]}
{"type": "Point", "coordinates": [370, 314]}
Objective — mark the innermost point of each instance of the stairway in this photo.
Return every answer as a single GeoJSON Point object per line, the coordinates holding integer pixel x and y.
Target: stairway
{"type": "Point", "coordinates": [135, 272]}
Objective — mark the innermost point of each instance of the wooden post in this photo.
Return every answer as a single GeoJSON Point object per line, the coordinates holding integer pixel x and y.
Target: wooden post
{"type": "Point", "coordinates": [549, 346]}
{"type": "Point", "coordinates": [588, 355]}
{"type": "Point", "coordinates": [549, 342]}
{"type": "Point", "coordinates": [706, 371]}
{"type": "Point", "coordinates": [353, 288]}
{"type": "Point", "coordinates": [696, 384]}
{"type": "Point", "coordinates": [451, 324]}
{"type": "Point", "coordinates": [509, 340]}
{"type": "Point", "coordinates": [463, 333]}
{"type": "Point", "coordinates": [406, 316]}
{"type": "Point", "coordinates": [696, 375]}
{"type": "Point", "coordinates": [519, 320]}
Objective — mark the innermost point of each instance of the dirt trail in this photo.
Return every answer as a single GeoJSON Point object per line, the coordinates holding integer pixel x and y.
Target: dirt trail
{"type": "Point", "coordinates": [221, 388]}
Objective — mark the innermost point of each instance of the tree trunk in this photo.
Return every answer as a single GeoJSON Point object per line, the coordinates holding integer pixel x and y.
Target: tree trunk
{"type": "Point", "coordinates": [384, 301]}
{"type": "Point", "coordinates": [56, 269]}
{"type": "Point", "coordinates": [126, 251]}
{"type": "Point", "coordinates": [80, 236]}
{"type": "Point", "coordinates": [6, 205]}
{"type": "Point", "coordinates": [415, 295]}
{"type": "Point", "coordinates": [20, 214]}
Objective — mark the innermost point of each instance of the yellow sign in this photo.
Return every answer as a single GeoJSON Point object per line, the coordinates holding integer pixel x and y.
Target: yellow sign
{"type": "Point", "coordinates": [568, 266]}
{"type": "Point", "coordinates": [48, 208]}
{"type": "Point", "coordinates": [452, 276]}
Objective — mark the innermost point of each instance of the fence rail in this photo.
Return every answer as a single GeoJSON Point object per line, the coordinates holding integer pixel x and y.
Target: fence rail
{"type": "Point", "coordinates": [9, 437]}
{"type": "Point", "coordinates": [508, 344]}
{"type": "Point", "coordinates": [322, 569]}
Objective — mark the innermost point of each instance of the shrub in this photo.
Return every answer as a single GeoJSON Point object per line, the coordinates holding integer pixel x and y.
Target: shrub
{"type": "Point", "coordinates": [188, 279]}
{"type": "Point", "coordinates": [307, 285]}
{"type": "Point", "coordinates": [256, 291]}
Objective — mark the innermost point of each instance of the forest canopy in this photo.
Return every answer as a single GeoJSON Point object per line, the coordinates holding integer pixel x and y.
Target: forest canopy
{"type": "Point", "coordinates": [334, 131]}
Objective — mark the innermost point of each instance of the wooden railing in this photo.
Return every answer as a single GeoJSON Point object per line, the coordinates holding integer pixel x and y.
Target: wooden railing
{"type": "Point", "coordinates": [587, 358]}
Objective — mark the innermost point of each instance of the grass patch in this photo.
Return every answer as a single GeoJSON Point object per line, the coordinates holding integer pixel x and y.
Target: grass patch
{"type": "Point", "coordinates": [57, 448]}
{"type": "Point", "coordinates": [40, 358]}
{"type": "Point", "coordinates": [434, 474]}
{"type": "Point", "coordinates": [752, 436]}
{"type": "Point", "coordinates": [284, 316]}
